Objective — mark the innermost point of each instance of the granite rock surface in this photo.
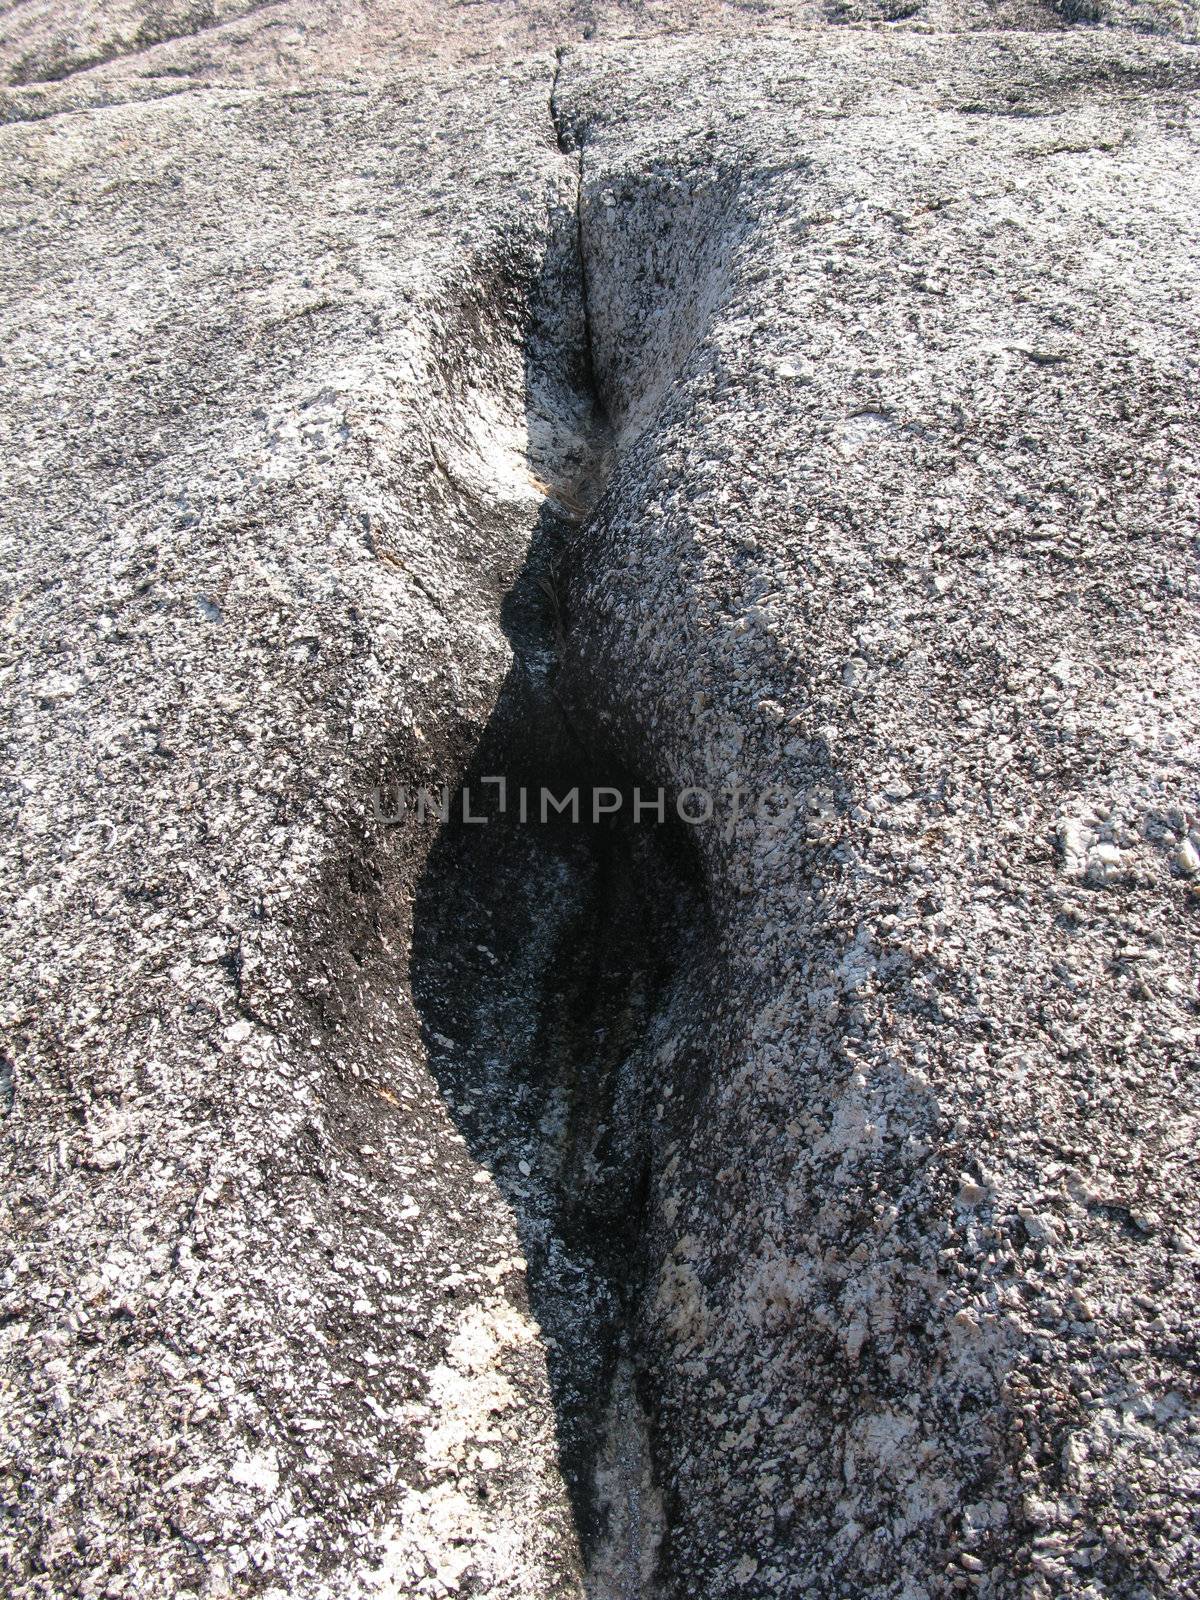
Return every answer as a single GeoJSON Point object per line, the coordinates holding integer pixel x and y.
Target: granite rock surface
{"type": "Point", "coordinates": [791, 408]}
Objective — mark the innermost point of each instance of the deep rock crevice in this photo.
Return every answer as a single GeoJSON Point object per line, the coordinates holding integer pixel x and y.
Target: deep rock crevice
{"type": "Point", "coordinates": [547, 958]}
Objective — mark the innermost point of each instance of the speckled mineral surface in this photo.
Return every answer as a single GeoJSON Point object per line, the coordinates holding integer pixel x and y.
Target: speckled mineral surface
{"type": "Point", "coordinates": [787, 406]}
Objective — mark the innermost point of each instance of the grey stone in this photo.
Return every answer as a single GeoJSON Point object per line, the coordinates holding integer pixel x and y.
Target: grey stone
{"type": "Point", "coordinates": [800, 398]}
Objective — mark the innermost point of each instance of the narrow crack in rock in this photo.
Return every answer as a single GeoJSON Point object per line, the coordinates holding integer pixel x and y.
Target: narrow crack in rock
{"type": "Point", "coordinates": [791, 1207]}
{"type": "Point", "coordinates": [543, 969]}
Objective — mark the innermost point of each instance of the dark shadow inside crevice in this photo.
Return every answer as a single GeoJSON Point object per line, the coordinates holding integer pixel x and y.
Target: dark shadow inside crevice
{"type": "Point", "coordinates": [552, 957]}
{"type": "Point", "coordinates": [544, 954]}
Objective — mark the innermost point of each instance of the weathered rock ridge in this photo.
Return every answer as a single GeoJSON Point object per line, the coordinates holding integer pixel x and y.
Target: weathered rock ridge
{"type": "Point", "coordinates": [732, 402]}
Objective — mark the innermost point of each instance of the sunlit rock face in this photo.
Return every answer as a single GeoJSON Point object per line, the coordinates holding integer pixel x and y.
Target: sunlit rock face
{"type": "Point", "coordinates": [771, 1180]}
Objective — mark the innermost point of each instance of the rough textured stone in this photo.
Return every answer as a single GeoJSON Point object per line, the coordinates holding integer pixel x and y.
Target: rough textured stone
{"type": "Point", "coordinates": [778, 1208]}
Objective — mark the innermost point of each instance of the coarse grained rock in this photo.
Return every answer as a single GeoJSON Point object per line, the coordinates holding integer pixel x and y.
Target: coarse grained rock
{"type": "Point", "coordinates": [324, 334]}
{"type": "Point", "coordinates": [911, 533]}
{"type": "Point", "coordinates": [270, 404]}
